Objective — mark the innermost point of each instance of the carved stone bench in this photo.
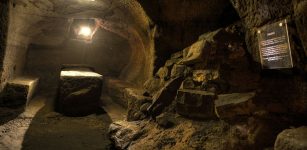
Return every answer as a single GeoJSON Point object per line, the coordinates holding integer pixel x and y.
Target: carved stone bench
{"type": "Point", "coordinates": [18, 91]}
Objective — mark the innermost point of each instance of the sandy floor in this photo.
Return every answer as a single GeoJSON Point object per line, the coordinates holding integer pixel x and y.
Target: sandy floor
{"type": "Point", "coordinates": [38, 127]}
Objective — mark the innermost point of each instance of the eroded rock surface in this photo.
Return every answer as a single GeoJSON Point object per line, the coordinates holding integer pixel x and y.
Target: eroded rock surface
{"type": "Point", "coordinates": [292, 139]}
{"type": "Point", "coordinates": [137, 104]}
{"type": "Point", "coordinates": [165, 96]}
{"type": "Point", "coordinates": [122, 133]}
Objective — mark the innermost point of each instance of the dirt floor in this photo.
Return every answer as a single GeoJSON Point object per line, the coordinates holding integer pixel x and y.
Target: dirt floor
{"type": "Point", "coordinates": [39, 127]}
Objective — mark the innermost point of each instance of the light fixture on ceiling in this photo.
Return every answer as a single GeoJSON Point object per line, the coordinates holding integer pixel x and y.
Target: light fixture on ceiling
{"type": "Point", "coordinates": [82, 29]}
{"type": "Point", "coordinates": [85, 31]}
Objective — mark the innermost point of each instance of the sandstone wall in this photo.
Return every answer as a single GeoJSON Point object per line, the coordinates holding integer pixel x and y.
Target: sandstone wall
{"type": "Point", "coordinates": [4, 10]}
{"type": "Point", "coordinates": [18, 37]}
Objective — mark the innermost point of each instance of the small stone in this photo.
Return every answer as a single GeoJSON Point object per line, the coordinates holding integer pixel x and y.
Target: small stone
{"type": "Point", "coordinates": [188, 83]}
{"type": "Point", "coordinates": [146, 94]}
{"type": "Point", "coordinates": [205, 75]}
{"type": "Point", "coordinates": [163, 73]}
{"type": "Point", "coordinates": [177, 55]}
{"type": "Point", "coordinates": [153, 85]}
{"type": "Point", "coordinates": [188, 71]}
{"type": "Point", "coordinates": [212, 89]}
{"type": "Point", "coordinates": [169, 63]}
{"type": "Point", "coordinates": [135, 101]}
{"type": "Point", "coordinates": [53, 115]}
{"type": "Point", "coordinates": [185, 52]}
{"type": "Point", "coordinates": [178, 71]}
{"type": "Point", "coordinates": [138, 116]}
{"type": "Point", "coordinates": [164, 120]}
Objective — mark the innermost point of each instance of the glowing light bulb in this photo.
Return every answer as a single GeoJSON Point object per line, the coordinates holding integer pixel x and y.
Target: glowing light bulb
{"type": "Point", "coordinates": [85, 31]}
{"type": "Point", "coordinates": [280, 24]}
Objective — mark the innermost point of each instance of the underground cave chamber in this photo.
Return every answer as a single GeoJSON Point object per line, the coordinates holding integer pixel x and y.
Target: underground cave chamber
{"type": "Point", "coordinates": [137, 74]}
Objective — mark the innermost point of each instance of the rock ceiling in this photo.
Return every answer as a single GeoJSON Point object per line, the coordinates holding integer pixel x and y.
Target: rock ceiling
{"type": "Point", "coordinates": [52, 15]}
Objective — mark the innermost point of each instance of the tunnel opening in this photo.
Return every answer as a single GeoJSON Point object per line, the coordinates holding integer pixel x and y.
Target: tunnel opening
{"type": "Point", "coordinates": [108, 53]}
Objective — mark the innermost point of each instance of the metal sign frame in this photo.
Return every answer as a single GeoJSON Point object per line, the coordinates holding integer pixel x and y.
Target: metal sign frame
{"type": "Point", "coordinates": [273, 39]}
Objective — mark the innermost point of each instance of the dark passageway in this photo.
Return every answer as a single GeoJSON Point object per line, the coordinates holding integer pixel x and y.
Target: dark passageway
{"type": "Point", "coordinates": [153, 74]}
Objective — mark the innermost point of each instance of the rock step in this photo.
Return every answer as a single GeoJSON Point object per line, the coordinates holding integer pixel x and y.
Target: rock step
{"type": "Point", "coordinates": [235, 104]}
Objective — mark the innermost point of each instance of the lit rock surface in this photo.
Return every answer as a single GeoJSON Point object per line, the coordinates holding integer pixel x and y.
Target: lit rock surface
{"type": "Point", "coordinates": [79, 74]}
{"type": "Point", "coordinates": [188, 83]}
{"type": "Point", "coordinates": [292, 139]}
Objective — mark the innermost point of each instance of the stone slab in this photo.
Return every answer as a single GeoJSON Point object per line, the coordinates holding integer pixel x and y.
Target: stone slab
{"type": "Point", "coordinates": [79, 92]}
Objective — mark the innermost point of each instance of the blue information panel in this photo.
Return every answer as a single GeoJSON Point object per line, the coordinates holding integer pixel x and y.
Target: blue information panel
{"type": "Point", "coordinates": [274, 46]}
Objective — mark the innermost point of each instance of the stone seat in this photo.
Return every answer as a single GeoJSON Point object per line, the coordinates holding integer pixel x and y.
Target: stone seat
{"type": "Point", "coordinates": [18, 91]}
{"type": "Point", "coordinates": [79, 91]}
